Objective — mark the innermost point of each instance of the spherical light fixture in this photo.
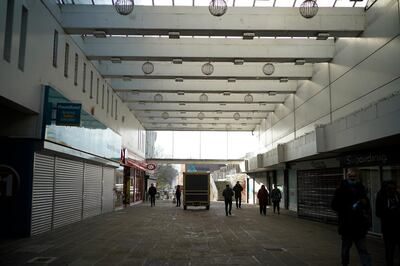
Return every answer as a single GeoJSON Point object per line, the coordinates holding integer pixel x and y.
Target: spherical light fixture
{"type": "Point", "coordinates": [124, 7]}
{"type": "Point", "coordinates": [165, 115]}
{"type": "Point", "coordinates": [201, 116]}
{"type": "Point", "coordinates": [147, 68]}
{"type": "Point", "coordinates": [217, 8]}
{"type": "Point", "coordinates": [308, 8]}
{"type": "Point", "coordinates": [203, 98]}
{"type": "Point", "coordinates": [248, 98]}
{"type": "Point", "coordinates": [207, 69]}
{"type": "Point", "coordinates": [236, 116]}
{"type": "Point", "coordinates": [268, 69]}
{"type": "Point", "coordinates": [158, 97]}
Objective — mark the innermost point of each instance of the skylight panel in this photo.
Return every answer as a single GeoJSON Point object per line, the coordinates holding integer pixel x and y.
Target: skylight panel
{"type": "Point", "coordinates": [344, 3]}
{"type": "Point", "coordinates": [163, 2]}
{"type": "Point", "coordinates": [284, 3]}
{"type": "Point", "coordinates": [321, 3]}
{"type": "Point", "coordinates": [201, 2]}
{"type": "Point", "coordinates": [102, 2]}
{"type": "Point", "coordinates": [143, 2]}
{"type": "Point", "coordinates": [183, 2]}
{"type": "Point", "coordinates": [261, 3]}
{"type": "Point", "coordinates": [361, 3]}
{"type": "Point", "coordinates": [83, 2]}
{"type": "Point", "coordinates": [244, 3]}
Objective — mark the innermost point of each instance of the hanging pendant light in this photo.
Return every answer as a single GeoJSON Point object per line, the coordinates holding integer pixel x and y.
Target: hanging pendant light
{"type": "Point", "coordinates": [217, 8]}
{"type": "Point", "coordinates": [201, 116]}
{"type": "Point", "coordinates": [124, 7]}
{"type": "Point", "coordinates": [207, 69]}
{"type": "Point", "coordinates": [236, 116]}
{"type": "Point", "coordinates": [308, 8]}
{"type": "Point", "coordinates": [203, 98]}
{"type": "Point", "coordinates": [165, 115]}
{"type": "Point", "coordinates": [147, 68]}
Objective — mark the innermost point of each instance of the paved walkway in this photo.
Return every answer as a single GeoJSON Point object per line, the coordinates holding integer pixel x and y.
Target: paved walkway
{"type": "Point", "coordinates": [166, 235]}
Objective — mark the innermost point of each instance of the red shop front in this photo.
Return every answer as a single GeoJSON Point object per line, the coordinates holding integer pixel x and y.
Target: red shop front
{"type": "Point", "coordinates": [133, 187]}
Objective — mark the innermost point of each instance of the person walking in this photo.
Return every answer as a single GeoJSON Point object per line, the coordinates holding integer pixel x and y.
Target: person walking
{"type": "Point", "coordinates": [228, 194]}
{"type": "Point", "coordinates": [262, 196]}
{"type": "Point", "coordinates": [276, 197]}
{"type": "Point", "coordinates": [178, 196]}
{"type": "Point", "coordinates": [238, 194]}
{"type": "Point", "coordinates": [388, 209]}
{"type": "Point", "coordinates": [352, 205]}
{"type": "Point", "coordinates": [152, 193]}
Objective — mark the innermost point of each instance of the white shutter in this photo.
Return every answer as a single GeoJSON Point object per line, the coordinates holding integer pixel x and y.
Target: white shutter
{"type": "Point", "coordinates": [92, 190]}
{"type": "Point", "coordinates": [108, 186]}
{"type": "Point", "coordinates": [68, 192]}
{"type": "Point", "coordinates": [42, 193]}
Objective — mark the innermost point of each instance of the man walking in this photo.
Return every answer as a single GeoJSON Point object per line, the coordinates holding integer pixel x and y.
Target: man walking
{"type": "Point", "coordinates": [228, 194]}
{"type": "Point", "coordinates": [152, 193]}
{"type": "Point", "coordinates": [262, 196]}
{"type": "Point", "coordinates": [178, 196]}
{"type": "Point", "coordinates": [238, 194]}
{"type": "Point", "coordinates": [276, 197]}
{"type": "Point", "coordinates": [351, 203]}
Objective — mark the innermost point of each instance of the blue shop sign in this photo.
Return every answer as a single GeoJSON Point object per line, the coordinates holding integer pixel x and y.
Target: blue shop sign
{"type": "Point", "coordinates": [68, 114]}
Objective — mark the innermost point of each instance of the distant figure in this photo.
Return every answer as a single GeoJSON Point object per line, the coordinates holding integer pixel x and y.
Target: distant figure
{"type": "Point", "coordinates": [276, 197]}
{"type": "Point", "coordinates": [262, 196]}
{"type": "Point", "coordinates": [228, 194]}
{"type": "Point", "coordinates": [238, 194]}
{"type": "Point", "coordinates": [351, 203]}
{"type": "Point", "coordinates": [178, 196]}
{"type": "Point", "coordinates": [152, 193]}
{"type": "Point", "coordinates": [388, 209]}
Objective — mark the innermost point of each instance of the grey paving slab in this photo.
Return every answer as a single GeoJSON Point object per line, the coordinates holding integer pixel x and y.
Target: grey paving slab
{"type": "Point", "coordinates": [166, 235]}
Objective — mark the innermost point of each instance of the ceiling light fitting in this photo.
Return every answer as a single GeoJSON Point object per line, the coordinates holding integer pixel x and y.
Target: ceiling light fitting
{"type": "Point", "coordinates": [217, 8]}
{"type": "Point", "coordinates": [268, 69]}
{"type": "Point", "coordinates": [147, 68]}
{"type": "Point", "coordinates": [165, 115]}
{"type": "Point", "coordinates": [207, 69]}
{"type": "Point", "coordinates": [238, 61]}
{"type": "Point", "coordinates": [308, 9]}
{"type": "Point", "coordinates": [99, 34]}
{"type": "Point", "coordinates": [299, 62]}
{"type": "Point", "coordinates": [178, 79]}
{"type": "Point", "coordinates": [236, 116]}
{"type": "Point", "coordinates": [177, 61]}
{"type": "Point", "coordinates": [203, 98]}
{"type": "Point", "coordinates": [248, 98]}
{"type": "Point", "coordinates": [226, 93]}
{"type": "Point", "coordinates": [158, 97]}
{"type": "Point", "coordinates": [248, 35]}
{"type": "Point", "coordinates": [201, 116]}
{"type": "Point", "coordinates": [322, 36]}
{"type": "Point", "coordinates": [126, 78]}
{"type": "Point", "coordinates": [116, 60]}
{"type": "Point", "coordinates": [124, 7]}
{"type": "Point", "coordinates": [181, 93]}
{"type": "Point", "coordinates": [272, 93]}
{"type": "Point", "coordinates": [174, 35]}
{"type": "Point", "coordinates": [283, 80]}
{"type": "Point", "coordinates": [231, 80]}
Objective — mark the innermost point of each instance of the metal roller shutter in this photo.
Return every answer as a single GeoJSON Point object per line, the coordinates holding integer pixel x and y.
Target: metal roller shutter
{"type": "Point", "coordinates": [42, 194]}
{"type": "Point", "coordinates": [92, 190]}
{"type": "Point", "coordinates": [315, 192]}
{"type": "Point", "coordinates": [68, 192]}
{"type": "Point", "coordinates": [108, 186]}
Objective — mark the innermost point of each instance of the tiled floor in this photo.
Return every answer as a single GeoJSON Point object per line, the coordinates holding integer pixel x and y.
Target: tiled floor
{"type": "Point", "coordinates": [167, 235]}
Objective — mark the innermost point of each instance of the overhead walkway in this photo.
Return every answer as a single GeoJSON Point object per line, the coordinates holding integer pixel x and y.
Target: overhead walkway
{"type": "Point", "coordinates": [167, 235]}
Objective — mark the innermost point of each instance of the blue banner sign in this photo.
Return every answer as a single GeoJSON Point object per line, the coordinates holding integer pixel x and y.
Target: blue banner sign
{"type": "Point", "coordinates": [68, 114]}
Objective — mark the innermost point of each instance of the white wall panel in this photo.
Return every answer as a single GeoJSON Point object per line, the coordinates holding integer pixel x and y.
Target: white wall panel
{"type": "Point", "coordinates": [311, 127]}
{"type": "Point", "coordinates": [315, 108]}
{"type": "Point", "coordinates": [108, 189]}
{"type": "Point", "coordinates": [284, 127]}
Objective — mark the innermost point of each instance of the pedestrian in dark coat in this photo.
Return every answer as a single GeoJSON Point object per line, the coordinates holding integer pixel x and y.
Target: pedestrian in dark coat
{"type": "Point", "coordinates": [152, 193]}
{"type": "Point", "coordinates": [276, 197]}
{"type": "Point", "coordinates": [262, 196]}
{"type": "Point", "coordinates": [178, 196]}
{"type": "Point", "coordinates": [238, 194]}
{"type": "Point", "coordinates": [228, 194]}
{"type": "Point", "coordinates": [352, 205]}
{"type": "Point", "coordinates": [388, 209]}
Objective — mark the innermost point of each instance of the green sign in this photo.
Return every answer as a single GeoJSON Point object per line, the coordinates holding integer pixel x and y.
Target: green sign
{"type": "Point", "coordinates": [68, 114]}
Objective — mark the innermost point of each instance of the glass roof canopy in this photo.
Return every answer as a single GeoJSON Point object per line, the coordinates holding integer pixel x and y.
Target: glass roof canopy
{"type": "Point", "coordinates": [231, 3]}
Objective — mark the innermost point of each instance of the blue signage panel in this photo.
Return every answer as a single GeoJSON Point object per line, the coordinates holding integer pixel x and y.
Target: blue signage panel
{"type": "Point", "coordinates": [68, 114]}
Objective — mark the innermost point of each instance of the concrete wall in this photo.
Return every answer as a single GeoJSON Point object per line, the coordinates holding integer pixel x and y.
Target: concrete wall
{"type": "Point", "coordinates": [25, 88]}
{"type": "Point", "coordinates": [363, 70]}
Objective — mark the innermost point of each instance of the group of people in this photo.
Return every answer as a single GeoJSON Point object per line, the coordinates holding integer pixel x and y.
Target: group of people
{"type": "Point", "coordinates": [262, 195]}
{"type": "Point", "coordinates": [351, 203]}
{"type": "Point", "coordinates": [153, 191]}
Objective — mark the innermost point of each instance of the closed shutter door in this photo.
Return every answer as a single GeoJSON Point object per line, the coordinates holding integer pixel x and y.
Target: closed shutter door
{"type": "Point", "coordinates": [42, 193]}
{"type": "Point", "coordinates": [92, 190]}
{"type": "Point", "coordinates": [68, 192]}
{"type": "Point", "coordinates": [315, 192]}
{"type": "Point", "coordinates": [108, 186]}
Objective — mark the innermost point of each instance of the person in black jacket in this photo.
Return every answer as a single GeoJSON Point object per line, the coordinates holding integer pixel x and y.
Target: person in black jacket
{"type": "Point", "coordinates": [388, 209]}
{"type": "Point", "coordinates": [178, 196]}
{"type": "Point", "coordinates": [238, 194]}
{"type": "Point", "coordinates": [228, 194]}
{"type": "Point", "coordinates": [152, 193]}
{"type": "Point", "coordinates": [351, 203]}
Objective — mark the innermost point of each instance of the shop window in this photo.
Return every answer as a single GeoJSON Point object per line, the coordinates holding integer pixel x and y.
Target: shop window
{"type": "Point", "coordinates": [22, 40]}
{"type": "Point", "coordinates": [8, 31]}
{"type": "Point", "coordinates": [76, 69]}
{"type": "Point", "coordinates": [84, 78]}
{"type": "Point", "coordinates": [91, 85]}
{"type": "Point", "coordinates": [66, 58]}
